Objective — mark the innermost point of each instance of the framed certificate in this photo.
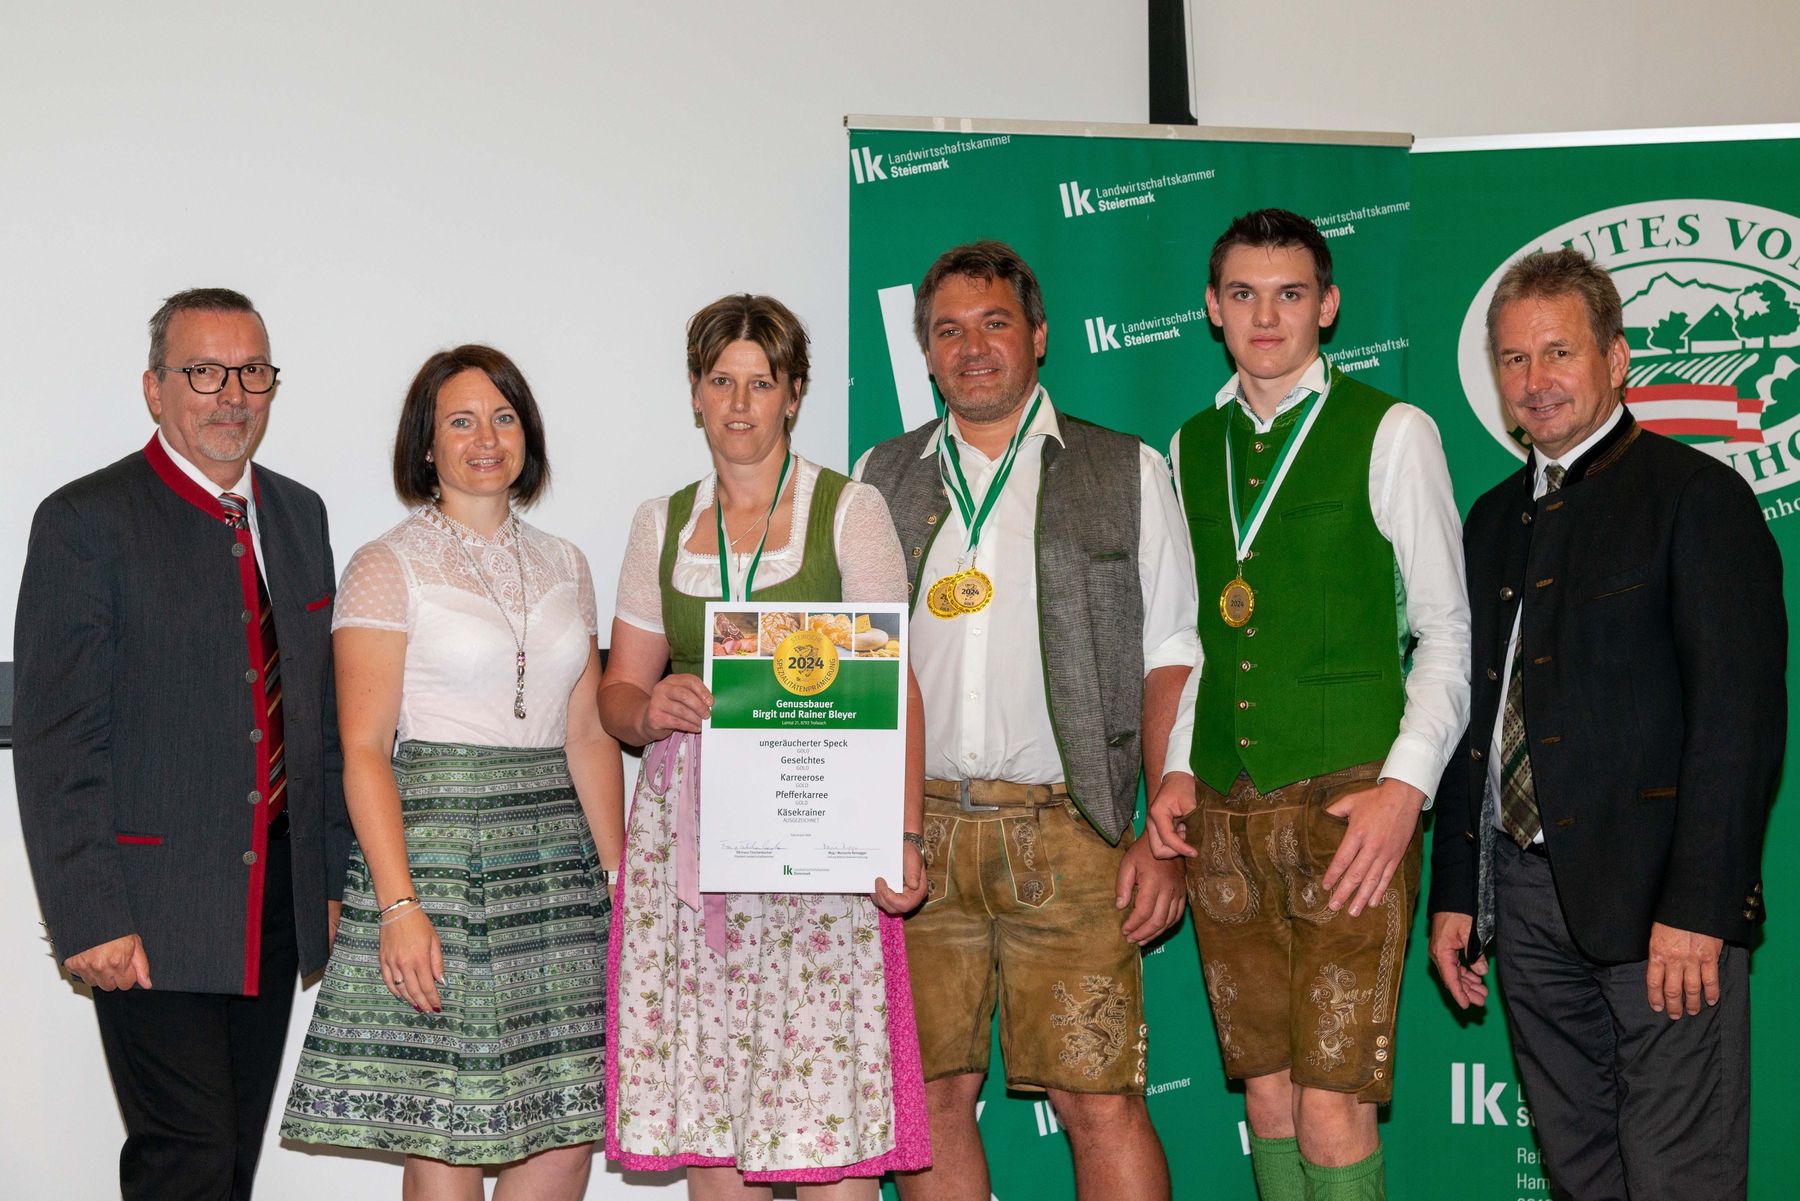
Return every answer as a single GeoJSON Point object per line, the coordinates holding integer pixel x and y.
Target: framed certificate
{"type": "Point", "coordinates": [804, 772]}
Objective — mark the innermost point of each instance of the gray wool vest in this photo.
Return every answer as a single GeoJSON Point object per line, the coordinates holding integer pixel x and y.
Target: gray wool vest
{"type": "Point", "coordinates": [1090, 603]}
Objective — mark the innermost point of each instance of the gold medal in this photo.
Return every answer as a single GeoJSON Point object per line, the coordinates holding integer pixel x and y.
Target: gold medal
{"type": "Point", "coordinates": [941, 599]}
{"type": "Point", "coordinates": [1237, 603]}
{"type": "Point", "coordinates": [806, 662]}
{"type": "Point", "coordinates": [972, 590]}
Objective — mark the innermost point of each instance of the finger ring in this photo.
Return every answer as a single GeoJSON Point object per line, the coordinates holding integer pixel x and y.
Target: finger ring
{"type": "Point", "coordinates": [399, 979]}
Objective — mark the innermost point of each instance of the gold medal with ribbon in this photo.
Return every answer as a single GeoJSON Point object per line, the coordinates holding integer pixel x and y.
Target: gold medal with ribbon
{"type": "Point", "coordinates": [970, 590]}
{"type": "Point", "coordinates": [1237, 600]}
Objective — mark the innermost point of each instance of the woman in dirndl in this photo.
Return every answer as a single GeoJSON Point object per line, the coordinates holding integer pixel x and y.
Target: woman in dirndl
{"type": "Point", "coordinates": [753, 1038]}
{"type": "Point", "coordinates": [461, 1018]}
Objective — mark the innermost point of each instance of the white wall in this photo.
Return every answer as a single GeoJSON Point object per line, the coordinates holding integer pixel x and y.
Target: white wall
{"type": "Point", "coordinates": [1440, 68]}
{"type": "Point", "coordinates": [567, 181]}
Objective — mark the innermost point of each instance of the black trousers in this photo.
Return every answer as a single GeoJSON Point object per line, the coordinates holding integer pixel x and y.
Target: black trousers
{"type": "Point", "coordinates": [1627, 1105]}
{"type": "Point", "coordinates": [194, 1073]}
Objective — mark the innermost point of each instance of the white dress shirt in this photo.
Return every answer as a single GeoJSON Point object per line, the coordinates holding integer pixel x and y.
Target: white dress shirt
{"type": "Point", "coordinates": [987, 716]}
{"type": "Point", "coordinates": [1539, 486]}
{"type": "Point", "coordinates": [1415, 510]}
{"type": "Point", "coordinates": [245, 488]}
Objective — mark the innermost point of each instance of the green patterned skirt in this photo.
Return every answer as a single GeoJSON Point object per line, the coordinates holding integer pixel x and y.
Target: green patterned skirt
{"type": "Point", "coordinates": [504, 864]}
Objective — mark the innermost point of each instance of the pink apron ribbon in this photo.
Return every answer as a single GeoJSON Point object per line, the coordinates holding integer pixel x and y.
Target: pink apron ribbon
{"type": "Point", "coordinates": [660, 759]}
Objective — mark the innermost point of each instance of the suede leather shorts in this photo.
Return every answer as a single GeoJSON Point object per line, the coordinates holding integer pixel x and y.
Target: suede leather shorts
{"type": "Point", "coordinates": [1293, 983]}
{"type": "Point", "coordinates": [1019, 914]}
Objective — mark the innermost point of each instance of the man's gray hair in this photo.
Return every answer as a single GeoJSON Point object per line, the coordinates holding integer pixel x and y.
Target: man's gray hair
{"type": "Point", "coordinates": [194, 300]}
{"type": "Point", "coordinates": [1543, 274]}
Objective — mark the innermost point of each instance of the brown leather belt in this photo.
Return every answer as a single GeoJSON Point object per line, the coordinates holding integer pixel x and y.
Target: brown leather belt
{"type": "Point", "coordinates": [985, 796]}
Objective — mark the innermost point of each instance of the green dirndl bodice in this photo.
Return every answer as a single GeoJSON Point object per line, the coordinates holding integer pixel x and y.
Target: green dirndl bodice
{"type": "Point", "coordinates": [684, 616]}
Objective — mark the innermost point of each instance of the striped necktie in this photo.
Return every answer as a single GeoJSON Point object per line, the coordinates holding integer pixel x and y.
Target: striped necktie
{"type": "Point", "coordinates": [1518, 790]}
{"type": "Point", "coordinates": [275, 793]}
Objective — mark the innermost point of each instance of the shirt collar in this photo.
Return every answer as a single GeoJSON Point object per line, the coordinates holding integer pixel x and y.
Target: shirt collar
{"type": "Point", "coordinates": [1573, 456]}
{"type": "Point", "coordinates": [1045, 423]}
{"type": "Point", "coordinates": [1311, 380]}
{"type": "Point", "coordinates": [243, 488]}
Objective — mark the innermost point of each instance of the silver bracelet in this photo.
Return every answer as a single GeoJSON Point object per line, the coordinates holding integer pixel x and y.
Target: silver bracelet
{"type": "Point", "coordinates": [408, 900]}
{"type": "Point", "coordinates": [398, 910]}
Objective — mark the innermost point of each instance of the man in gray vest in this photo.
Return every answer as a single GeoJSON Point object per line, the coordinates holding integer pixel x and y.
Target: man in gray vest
{"type": "Point", "coordinates": [1052, 626]}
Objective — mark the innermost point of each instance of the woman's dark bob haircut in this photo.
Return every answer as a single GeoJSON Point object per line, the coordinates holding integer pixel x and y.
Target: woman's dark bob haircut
{"type": "Point", "coordinates": [415, 479]}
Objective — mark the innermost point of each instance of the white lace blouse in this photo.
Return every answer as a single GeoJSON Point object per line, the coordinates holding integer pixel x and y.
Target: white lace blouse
{"type": "Point", "coordinates": [420, 578]}
{"type": "Point", "coordinates": [868, 550]}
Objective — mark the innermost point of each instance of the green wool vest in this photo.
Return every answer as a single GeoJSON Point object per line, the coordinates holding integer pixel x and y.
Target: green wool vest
{"type": "Point", "coordinates": [1314, 682]}
{"type": "Point", "coordinates": [684, 616]}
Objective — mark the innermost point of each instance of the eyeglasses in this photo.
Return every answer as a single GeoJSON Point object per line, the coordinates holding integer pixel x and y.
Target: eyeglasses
{"type": "Point", "coordinates": [208, 378]}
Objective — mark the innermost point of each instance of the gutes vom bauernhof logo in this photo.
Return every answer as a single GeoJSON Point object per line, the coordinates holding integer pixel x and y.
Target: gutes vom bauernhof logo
{"type": "Point", "coordinates": [1711, 292]}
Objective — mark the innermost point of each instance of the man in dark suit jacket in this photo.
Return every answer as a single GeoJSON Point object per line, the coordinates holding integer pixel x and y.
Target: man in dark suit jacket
{"type": "Point", "coordinates": [1603, 823]}
{"type": "Point", "coordinates": [176, 749]}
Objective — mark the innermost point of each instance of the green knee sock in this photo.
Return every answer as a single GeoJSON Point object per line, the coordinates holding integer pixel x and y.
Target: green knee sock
{"type": "Point", "coordinates": [1362, 1181]}
{"type": "Point", "coordinates": [1276, 1165]}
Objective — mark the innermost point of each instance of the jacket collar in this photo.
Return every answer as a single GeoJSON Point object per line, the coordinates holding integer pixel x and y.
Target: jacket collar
{"type": "Point", "coordinates": [180, 483]}
{"type": "Point", "coordinates": [1597, 458]}
{"type": "Point", "coordinates": [1607, 450]}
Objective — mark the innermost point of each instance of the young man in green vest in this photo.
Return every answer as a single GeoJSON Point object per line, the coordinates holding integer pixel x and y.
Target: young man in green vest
{"type": "Point", "coordinates": [1326, 545]}
{"type": "Point", "coordinates": [1052, 633]}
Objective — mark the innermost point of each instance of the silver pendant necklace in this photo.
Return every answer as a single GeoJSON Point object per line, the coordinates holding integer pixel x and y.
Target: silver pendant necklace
{"type": "Point", "coordinates": [523, 631]}
{"type": "Point", "coordinates": [736, 553]}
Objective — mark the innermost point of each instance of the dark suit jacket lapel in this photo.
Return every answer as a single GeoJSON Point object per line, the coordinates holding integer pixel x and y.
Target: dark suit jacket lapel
{"type": "Point", "coordinates": [282, 540]}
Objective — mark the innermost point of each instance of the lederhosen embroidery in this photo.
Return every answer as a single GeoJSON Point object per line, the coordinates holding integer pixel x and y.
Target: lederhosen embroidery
{"type": "Point", "coordinates": [1094, 1024]}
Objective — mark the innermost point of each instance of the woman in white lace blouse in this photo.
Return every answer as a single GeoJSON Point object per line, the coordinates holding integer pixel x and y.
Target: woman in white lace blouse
{"type": "Point", "coordinates": [461, 1017]}
{"type": "Point", "coordinates": [758, 1037]}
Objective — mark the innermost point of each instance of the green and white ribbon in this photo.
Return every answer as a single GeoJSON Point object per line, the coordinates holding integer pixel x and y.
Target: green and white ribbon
{"type": "Point", "coordinates": [725, 550]}
{"type": "Point", "coordinates": [950, 471]}
{"type": "Point", "coordinates": [1244, 533]}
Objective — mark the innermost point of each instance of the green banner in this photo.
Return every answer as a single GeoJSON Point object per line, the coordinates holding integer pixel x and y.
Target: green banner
{"type": "Point", "coordinates": [1703, 240]}
{"type": "Point", "coordinates": [1119, 230]}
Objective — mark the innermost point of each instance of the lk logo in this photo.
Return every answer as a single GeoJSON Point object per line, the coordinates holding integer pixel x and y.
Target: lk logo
{"type": "Point", "coordinates": [1475, 1102]}
{"type": "Point", "coordinates": [866, 164]}
{"type": "Point", "coordinates": [1101, 336]}
{"type": "Point", "coordinates": [1075, 200]}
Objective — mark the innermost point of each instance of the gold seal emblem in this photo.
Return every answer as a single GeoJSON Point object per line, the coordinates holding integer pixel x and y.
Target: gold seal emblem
{"type": "Point", "coordinates": [972, 591]}
{"type": "Point", "coordinates": [1237, 603]}
{"type": "Point", "coordinates": [940, 600]}
{"type": "Point", "coordinates": [806, 662]}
